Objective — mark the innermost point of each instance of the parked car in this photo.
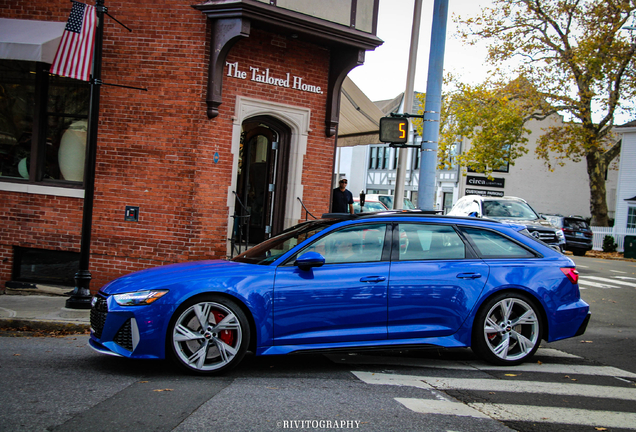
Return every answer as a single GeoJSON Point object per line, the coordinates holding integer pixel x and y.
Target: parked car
{"type": "Point", "coordinates": [341, 283]}
{"type": "Point", "coordinates": [387, 200]}
{"type": "Point", "coordinates": [578, 234]}
{"type": "Point", "coordinates": [510, 209]}
{"type": "Point", "coordinates": [369, 206]}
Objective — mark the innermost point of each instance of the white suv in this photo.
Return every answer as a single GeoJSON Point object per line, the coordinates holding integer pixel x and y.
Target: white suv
{"type": "Point", "coordinates": [509, 209]}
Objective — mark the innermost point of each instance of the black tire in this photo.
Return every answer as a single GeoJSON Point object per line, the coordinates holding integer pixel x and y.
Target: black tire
{"type": "Point", "coordinates": [213, 348]}
{"type": "Point", "coordinates": [579, 252]}
{"type": "Point", "coordinates": [507, 329]}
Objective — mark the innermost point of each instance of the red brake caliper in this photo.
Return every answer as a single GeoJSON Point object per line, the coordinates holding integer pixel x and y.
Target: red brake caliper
{"type": "Point", "coordinates": [225, 335]}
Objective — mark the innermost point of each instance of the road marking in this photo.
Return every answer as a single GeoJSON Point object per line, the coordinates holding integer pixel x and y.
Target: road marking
{"type": "Point", "coordinates": [613, 280]}
{"type": "Point", "coordinates": [551, 352]}
{"type": "Point", "coordinates": [617, 271]}
{"type": "Point", "coordinates": [11, 313]}
{"type": "Point", "coordinates": [607, 419]}
{"type": "Point", "coordinates": [430, 406]}
{"type": "Point", "coordinates": [596, 284]}
{"type": "Point", "coordinates": [625, 277]}
{"type": "Point", "coordinates": [510, 386]}
{"type": "Point", "coordinates": [509, 412]}
{"type": "Point", "coordinates": [561, 369]}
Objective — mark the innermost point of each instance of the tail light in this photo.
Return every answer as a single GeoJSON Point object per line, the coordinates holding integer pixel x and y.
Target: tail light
{"type": "Point", "coordinates": [571, 273]}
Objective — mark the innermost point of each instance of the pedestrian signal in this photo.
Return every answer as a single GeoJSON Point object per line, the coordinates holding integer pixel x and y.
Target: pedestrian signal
{"type": "Point", "coordinates": [394, 130]}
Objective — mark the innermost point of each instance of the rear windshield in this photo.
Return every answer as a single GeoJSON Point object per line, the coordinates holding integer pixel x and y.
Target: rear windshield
{"type": "Point", "coordinates": [575, 224]}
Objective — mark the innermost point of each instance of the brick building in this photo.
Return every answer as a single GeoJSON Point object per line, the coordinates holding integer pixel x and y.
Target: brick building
{"type": "Point", "coordinates": [240, 115]}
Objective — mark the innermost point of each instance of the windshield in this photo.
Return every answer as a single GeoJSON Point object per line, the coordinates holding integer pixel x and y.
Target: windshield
{"type": "Point", "coordinates": [508, 210]}
{"type": "Point", "coordinates": [387, 200]}
{"type": "Point", "coordinates": [369, 206]}
{"type": "Point", "coordinates": [269, 251]}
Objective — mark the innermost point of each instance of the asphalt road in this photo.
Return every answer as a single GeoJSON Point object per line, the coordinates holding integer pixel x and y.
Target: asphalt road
{"type": "Point", "coordinates": [583, 384]}
{"type": "Point", "coordinates": [609, 286]}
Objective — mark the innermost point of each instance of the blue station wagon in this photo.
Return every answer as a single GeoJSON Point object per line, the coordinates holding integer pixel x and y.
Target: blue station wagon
{"type": "Point", "coordinates": [377, 280]}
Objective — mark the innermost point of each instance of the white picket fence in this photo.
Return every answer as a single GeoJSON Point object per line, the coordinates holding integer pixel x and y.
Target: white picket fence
{"type": "Point", "coordinates": [618, 234]}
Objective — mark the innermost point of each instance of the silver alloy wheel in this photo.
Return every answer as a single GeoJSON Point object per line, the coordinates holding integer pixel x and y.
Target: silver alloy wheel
{"type": "Point", "coordinates": [511, 329]}
{"type": "Point", "coordinates": [207, 336]}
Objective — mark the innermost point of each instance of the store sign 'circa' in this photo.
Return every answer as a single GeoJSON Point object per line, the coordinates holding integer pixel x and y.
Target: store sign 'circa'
{"type": "Point", "coordinates": [263, 76]}
{"type": "Point", "coordinates": [483, 181]}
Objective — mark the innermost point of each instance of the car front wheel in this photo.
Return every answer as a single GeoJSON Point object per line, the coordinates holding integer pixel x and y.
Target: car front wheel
{"type": "Point", "coordinates": [208, 335]}
{"type": "Point", "coordinates": [507, 329]}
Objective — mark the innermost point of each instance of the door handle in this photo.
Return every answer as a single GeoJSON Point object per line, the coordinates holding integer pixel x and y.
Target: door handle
{"type": "Point", "coordinates": [469, 275]}
{"type": "Point", "coordinates": [373, 279]}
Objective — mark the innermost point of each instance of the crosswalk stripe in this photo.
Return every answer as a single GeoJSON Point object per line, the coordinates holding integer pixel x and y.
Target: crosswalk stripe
{"type": "Point", "coordinates": [611, 419]}
{"type": "Point", "coordinates": [509, 412]}
{"type": "Point", "coordinates": [596, 284]}
{"type": "Point", "coordinates": [510, 386]}
{"type": "Point", "coordinates": [551, 352]}
{"type": "Point", "coordinates": [613, 280]}
{"type": "Point", "coordinates": [562, 369]}
{"type": "Point", "coordinates": [431, 406]}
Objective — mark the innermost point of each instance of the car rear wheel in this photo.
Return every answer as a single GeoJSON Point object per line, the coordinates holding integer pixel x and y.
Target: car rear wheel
{"type": "Point", "coordinates": [208, 335]}
{"type": "Point", "coordinates": [579, 252]}
{"type": "Point", "coordinates": [507, 329]}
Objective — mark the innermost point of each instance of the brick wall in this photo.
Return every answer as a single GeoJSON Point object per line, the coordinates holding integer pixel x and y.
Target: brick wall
{"type": "Point", "coordinates": [156, 148]}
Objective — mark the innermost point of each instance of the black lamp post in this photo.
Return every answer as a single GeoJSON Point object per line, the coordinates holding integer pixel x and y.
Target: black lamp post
{"type": "Point", "coordinates": [81, 297]}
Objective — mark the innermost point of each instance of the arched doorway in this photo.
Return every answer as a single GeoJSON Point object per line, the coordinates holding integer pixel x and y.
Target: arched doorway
{"type": "Point", "coordinates": [261, 177]}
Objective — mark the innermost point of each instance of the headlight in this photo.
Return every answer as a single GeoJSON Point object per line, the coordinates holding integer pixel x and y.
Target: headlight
{"type": "Point", "coordinates": [560, 236]}
{"type": "Point", "coordinates": [139, 298]}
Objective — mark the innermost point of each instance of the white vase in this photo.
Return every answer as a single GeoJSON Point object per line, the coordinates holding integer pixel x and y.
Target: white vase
{"type": "Point", "coordinates": [73, 151]}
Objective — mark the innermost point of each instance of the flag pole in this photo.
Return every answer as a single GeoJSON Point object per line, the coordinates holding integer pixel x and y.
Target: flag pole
{"type": "Point", "coordinates": [81, 296]}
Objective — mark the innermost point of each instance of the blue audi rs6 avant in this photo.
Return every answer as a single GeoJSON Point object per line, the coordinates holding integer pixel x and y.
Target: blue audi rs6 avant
{"type": "Point", "coordinates": [347, 282]}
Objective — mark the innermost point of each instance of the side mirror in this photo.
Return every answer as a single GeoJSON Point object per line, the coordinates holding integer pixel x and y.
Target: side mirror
{"type": "Point", "coordinates": [473, 214]}
{"type": "Point", "coordinates": [308, 260]}
{"type": "Point", "coordinates": [362, 196]}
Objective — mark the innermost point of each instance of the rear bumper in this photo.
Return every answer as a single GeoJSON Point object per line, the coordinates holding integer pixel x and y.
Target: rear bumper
{"type": "Point", "coordinates": [582, 245]}
{"type": "Point", "coordinates": [583, 327]}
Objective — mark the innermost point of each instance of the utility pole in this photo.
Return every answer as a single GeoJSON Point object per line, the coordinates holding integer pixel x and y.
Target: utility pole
{"type": "Point", "coordinates": [432, 108]}
{"type": "Point", "coordinates": [400, 175]}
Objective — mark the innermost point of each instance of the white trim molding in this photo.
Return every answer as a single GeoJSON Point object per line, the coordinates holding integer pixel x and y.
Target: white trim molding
{"type": "Point", "coordinates": [298, 120]}
{"type": "Point", "coordinates": [41, 190]}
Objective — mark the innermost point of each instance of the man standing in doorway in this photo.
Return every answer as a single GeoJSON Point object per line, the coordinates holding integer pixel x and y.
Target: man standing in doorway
{"type": "Point", "coordinates": [342, 199]}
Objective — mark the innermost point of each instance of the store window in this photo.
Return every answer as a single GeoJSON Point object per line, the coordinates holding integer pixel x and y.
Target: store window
{"type": "Point", "coordinates": [43, 125]}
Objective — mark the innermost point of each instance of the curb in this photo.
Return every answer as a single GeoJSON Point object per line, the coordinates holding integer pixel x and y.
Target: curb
{"type": "Point", "coordinates": [44, 325]}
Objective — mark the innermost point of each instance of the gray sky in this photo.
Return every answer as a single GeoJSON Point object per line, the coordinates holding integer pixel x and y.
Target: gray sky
{"type": "Point", "coordinates": [383, 75]}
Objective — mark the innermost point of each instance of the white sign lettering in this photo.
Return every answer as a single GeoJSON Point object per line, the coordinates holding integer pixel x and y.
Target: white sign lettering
{"type": "Point", "coordinates": [263, 76]}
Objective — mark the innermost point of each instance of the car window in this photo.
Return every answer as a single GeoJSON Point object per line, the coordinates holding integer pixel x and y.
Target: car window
{"type": "Point", "coordinates": [268, 251]}
{"type": "Point", "coordinates": [387, 201]}
{"type": "Point", "coordinates": [369, 206]}
{"type": "Point", "coordinates": [508, 209]}
{"type": "Point", "coordinates": [576, 224]}
{"type": "Point", "coordinates": [408, 204]}
{"type": "Point", "coordinates": [429, 242]}
{"type": "Point", "coordinates": [490, 244]}
{"type": "Point", "coordinates": [360, 243]}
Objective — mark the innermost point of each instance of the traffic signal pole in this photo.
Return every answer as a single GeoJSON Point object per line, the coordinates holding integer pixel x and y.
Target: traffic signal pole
{"type": "Point", "coordinates": [432, 108]}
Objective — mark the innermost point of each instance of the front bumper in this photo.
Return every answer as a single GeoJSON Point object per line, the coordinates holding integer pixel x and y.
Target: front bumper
{"type": "Point", "coordinates": [128, 331]}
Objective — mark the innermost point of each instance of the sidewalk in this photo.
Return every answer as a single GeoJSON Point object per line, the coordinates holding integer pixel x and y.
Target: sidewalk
{"type": "Point", "coordinates": [42, 309]}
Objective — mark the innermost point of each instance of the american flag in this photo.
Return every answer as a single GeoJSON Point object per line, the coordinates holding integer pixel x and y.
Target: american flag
{"type": "Point", "coordinates": [74, 57]}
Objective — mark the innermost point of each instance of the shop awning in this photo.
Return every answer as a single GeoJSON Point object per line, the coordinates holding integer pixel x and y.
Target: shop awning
{"type": "Point", "coordinates": [29, 40]}
{"type": "Point", "coordinates": [359, 117]}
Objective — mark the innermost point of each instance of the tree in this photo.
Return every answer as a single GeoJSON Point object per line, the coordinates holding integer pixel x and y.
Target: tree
{"type": "Point", "coordinates": [574, 58]}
